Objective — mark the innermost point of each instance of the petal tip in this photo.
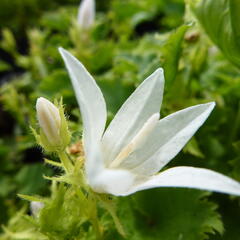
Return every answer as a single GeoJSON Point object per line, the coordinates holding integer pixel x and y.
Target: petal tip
{"type": "Point", "coordinates": [160, 74]}
{"type": "Point", "coordinates": [63, 52]}
{"type": "Point", "coordinates": [41, 100]}
{"type": "Point", "coordinates": [211, 105]}
{"type": "Point", "coordinates": [159, 71]}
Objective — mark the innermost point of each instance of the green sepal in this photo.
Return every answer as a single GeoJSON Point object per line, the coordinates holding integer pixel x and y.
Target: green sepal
{"type": "Point", "coordinates": [53, 163]}
{"type": "Point", "coordinates": [64, 138]}
{"type": "Point", "coordinates": [31, 198]}
{"type": "Point", "coordinates": [61, 179]}
{"type": "Point", "coordinates": [37, 136]}
{"type": "Point", "coordinates": [64, 132]}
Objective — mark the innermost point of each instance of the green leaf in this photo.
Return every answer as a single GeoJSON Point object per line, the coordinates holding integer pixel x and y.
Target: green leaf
{"type": "Point", "coordinates": [193, 148]}
{"type": "Point", "coordinates": [171, 53]}
{"type": "Point", "coordinates": [235, 19]}
{"type": "Point", "coordinates": [62, 217]}
{"type": "Point", "coordinates": [4, 66]}
{"type": "Point", "coordinates": [170, 214]}
{"type": "Point", "coordinates": [56, 84]}
{"type": "Point", "coordinates": [29, 179]}
{"type": "Point", "coordinates": [31, 198]}
{"type": "Point", "coordinates": [231, 218]}
{"type": "Point", "coordinates": [6, 186]}
{"type": "Point", "coordinates": [220, 19]}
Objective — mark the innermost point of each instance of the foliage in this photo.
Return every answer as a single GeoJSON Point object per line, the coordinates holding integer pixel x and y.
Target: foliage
{"type": "Point", "coordinates": [220, 21]}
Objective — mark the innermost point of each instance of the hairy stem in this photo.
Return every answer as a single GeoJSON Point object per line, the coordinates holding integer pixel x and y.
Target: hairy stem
{"type": "Point", "coordinates": [67, 164]}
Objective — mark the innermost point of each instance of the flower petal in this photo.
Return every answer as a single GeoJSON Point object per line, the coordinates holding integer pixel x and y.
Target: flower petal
{"type": "Point", "coordinates": [115, 182]}
{"type": "Point", "coordinates": [144, 102]}
{"type": "Point", "coordinates": [167, 139]}
{"type": "Point", "coordinates": [90, 100]}
{"type": "Point", "coordinates": [190, 177]}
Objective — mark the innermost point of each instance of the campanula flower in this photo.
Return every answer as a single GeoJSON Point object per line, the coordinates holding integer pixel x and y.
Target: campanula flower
{"type": "Point", "coordinates": [127, 156]}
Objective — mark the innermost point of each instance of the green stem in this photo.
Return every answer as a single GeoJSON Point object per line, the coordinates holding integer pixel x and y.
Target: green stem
{"type": "Point", "coordinates": [89, 205]}
{"type": "Point", "coordinates": [110, 208]}
{"type": "Point", "coordinates": [65, 161]}
{"type": "Point", "coordinates": [96, 227]}
{"type": "Point", "coordinates": [94, 216]}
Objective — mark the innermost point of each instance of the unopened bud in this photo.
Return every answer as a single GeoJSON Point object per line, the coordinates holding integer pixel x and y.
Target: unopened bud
{"type": "Point", "coordinates": [86, 13]}
{"type": "Point", "coordinates": [35, 207]}
{"type": "Point", "coordinates": [49, 120]}
{"type": "Point", "coordinates": [54, 135]}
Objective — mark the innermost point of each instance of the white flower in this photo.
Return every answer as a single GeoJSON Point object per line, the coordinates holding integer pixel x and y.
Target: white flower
{"type": "Point", "coordinates": [86, 13]}
{"type": "Point", "coordinates": [127, 156]}
{"type": "Point", "coordinates": [49, 120]}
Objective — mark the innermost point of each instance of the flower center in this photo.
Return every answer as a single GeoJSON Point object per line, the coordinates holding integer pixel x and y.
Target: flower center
{"type": "Point", "coordinates": [140, 137]}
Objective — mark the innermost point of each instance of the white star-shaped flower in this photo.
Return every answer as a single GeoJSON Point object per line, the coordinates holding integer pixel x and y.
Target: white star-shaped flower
{"type": "Point", "coordinates": [128, 155]}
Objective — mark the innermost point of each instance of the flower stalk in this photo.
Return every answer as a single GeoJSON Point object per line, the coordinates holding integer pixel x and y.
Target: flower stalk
{"type": "Point", "coordinates": [67, 164]}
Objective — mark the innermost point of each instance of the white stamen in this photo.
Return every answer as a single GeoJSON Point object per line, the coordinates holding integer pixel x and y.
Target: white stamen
{"type": "Point", "coordinates": [137, 140]}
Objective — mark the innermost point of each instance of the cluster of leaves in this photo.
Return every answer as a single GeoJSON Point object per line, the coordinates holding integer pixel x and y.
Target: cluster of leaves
{"type": "Point", "coordinates": [130, 39]}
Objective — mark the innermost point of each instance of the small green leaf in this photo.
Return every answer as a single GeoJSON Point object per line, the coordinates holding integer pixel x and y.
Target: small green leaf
{"type": "Point", "coordinates": [31, 198]}
{"type": "Point", "coordinates": [4, 66]}
{"type": "Point", "coordinates": [53, 163]}
{"type": "Point", "coordinates": [171, 53]}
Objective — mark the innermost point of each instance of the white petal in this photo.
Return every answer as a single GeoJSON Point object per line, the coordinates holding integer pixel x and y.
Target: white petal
{"type": "Point", "coordinates": [90, 100]}
{"type": "Point", "coordinates": [115, 182]}
{"type": "Point", "coordinates": [142, 134]}
{"type": "Point", "coordinates": [143, 103]}
{"type": "Point", "coordinates": [190, 177]}
{"type": "Point", "coordinates": [167, 139]}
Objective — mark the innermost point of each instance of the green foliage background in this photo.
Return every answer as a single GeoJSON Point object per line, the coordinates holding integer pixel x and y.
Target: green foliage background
{"type": "Point", "coordinates": [129, 40]}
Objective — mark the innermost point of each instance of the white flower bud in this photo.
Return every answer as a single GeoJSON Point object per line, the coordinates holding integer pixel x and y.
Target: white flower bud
{"type": "Point", "coordinates": [86, 13]}
{"type": "Point", "coordinates": [49, 120]}
{"type": "Point", "coordinates": [54, 135]}
{"type": "Point", "coordinates": [35, 207]}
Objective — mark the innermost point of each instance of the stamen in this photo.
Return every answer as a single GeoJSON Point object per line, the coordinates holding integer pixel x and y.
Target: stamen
{"type": "Point", "coordinates": [137, 140]}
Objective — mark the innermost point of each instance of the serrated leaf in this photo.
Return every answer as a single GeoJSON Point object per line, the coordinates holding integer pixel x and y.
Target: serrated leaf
{"type": "Point", "coordinates": [169, 214]}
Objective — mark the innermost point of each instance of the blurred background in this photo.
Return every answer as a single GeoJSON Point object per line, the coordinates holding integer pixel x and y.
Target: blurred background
{"type": "Point", "coordinates": [127, 42]}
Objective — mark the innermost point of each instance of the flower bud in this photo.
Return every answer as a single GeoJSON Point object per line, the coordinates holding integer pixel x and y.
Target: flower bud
{"type": "Point", "coordinates": [35, 207]}
{"type": "Point", "coordinates": [54, 135]}
{"type": "Point", "coordinates": [86, 13]}
{"type": "Point", "coordinates": [49, 120]}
